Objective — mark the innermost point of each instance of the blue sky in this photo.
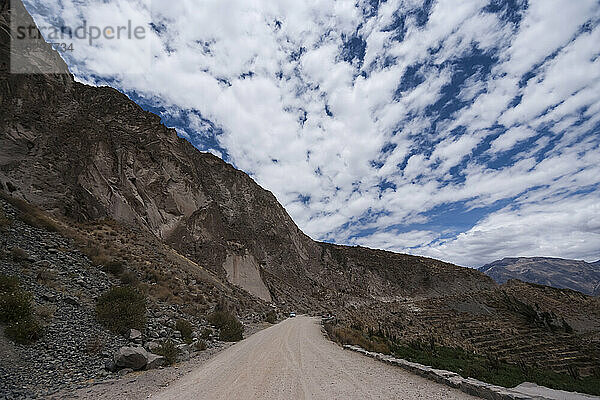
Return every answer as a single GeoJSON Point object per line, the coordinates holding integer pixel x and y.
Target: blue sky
{"type": "Point", "coordinates": [462, 130]}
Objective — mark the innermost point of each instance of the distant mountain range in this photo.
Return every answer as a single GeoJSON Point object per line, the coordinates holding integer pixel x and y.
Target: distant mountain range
{"type": "Point", "coordinates": [556, 272]}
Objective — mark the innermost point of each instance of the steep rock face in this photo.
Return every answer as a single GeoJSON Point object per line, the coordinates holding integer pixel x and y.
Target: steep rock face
{"type": "Point", "coordinates": [556, 272]}
{"type": "Point", "coordinates": [244, 272]}
{"type": "Point", "coordinates": [89, 152]}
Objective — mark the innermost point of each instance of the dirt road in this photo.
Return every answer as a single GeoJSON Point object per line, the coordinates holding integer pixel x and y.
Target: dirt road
{"type": "Point", "coordinates": [292, 360]}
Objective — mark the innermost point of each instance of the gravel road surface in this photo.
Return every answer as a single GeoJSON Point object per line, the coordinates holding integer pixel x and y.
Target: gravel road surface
{"type": "Point", "coordinates": [293, 360]}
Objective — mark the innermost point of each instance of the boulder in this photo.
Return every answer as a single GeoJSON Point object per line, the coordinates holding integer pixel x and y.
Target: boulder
{"type": "Point", "coordinates": [135, 358]}
{"type": "Point", "coordinates": [152, 346]}
{"type": "Point", "coordinates": [134, 335]}
{"type": "Point", "coordinates": [110, 365]}
{"type": "Point", "coordinates": [71, 300]}
{"type": "Point", "coordinates": [155, 361]}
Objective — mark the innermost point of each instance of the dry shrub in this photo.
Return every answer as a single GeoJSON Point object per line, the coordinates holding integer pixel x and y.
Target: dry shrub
{"type": "Point", "coordinates": [8, 284]}
{"type": "Point", "coordinates": [18, 254]}
{"type": "Point", "coordinates": [94, 345]}
{"type": "Point", "coordinates": [186, 328]}
{"type": "Point", "coordinates": [355, 337]}
{"type": "Point", "coordinates": [46, 276]}
{"type": "Point", "coordinates": [122, 308]}
{"type": "Point", "coordinates": [45, 312]}
{"type": "Point", "coordinates": [200, 345]}
{"type": "Point", "coordinates": [271, 317]}
{"type": "Point", "coordinates": [24, 331]}
{"type": "Point", "coordinates": [15, 306]}
{"type": "Point", "coordinates": [169, 351]}
{"type": "Point", "coordinates": [161, 292]}
{"type": "Point", "coordinates": [115, 267]}
{"type": "Point", "coordinates": [205, 333]}
{"type": "Point", "coordinates": [128, 277]}
{"type": "Point", "coordinates": [230, 328]}
{"type": "Point", "coordinates": [4, 221]}
{"type": "Point", "coordinates": [31, 215]}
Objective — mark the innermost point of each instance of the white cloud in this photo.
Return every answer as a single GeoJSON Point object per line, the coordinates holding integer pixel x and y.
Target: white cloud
{"type": "Point", "coordinates": [308, 125]}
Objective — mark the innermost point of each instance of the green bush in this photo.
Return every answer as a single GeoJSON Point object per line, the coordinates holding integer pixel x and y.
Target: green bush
{"type": "Point", "coordinates": [491, 370]}
{"type": "Point", "coordinates": [230, 328]}
{"type": "Point", "coordinates": [15, 306]}
{"type": "Point", "coordinates": [8, 284]}
{"type": "Point", "coordinates": [185, 327]}
{"type": "Point", "coordinates": [24, 331]}
{"type": "Point", "coordinates": [169, 351]}
{"type": "Point", "coordinates": [271, 317]}
{"type": "Point", "coordinates": [122, 308]}
{"type": "Point", "coordinates": [16, 309]}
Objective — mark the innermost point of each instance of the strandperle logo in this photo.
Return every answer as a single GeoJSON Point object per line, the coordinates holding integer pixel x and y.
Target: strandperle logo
{"type": "Point", "coordinates": [89, 33]}
{"type": "Point", "coordinates": [108, 39]}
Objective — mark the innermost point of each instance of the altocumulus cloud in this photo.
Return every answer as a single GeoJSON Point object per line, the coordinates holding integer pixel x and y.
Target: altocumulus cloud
{"type": "Point", "coordinates": [467, 131]}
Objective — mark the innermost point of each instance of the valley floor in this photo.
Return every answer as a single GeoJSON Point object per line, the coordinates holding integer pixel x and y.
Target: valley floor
{"type": "Point", "coordinates": [293, 360]}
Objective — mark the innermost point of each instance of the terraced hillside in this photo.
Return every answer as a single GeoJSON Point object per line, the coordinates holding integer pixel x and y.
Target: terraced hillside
{"type": "Point", "coordinates": [517, 322]}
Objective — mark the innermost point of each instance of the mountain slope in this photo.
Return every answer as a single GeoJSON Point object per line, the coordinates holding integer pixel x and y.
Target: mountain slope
{"type": "Point", "coordinates": [556, 272]}
{"type": "Point", "coordinates": [90, 153]}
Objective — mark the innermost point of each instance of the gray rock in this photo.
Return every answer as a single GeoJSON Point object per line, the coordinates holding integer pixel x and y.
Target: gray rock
{"type": "Point", "coordinates": [131, 357]}
{"type": "Point", "coordinates": [134, 335]}
{"type": "Point", "coordinates": [71, 300]}
{"type": "Point", "coordinates": [152, 346]}
{"type": "Point", "coordinates": [110, 365]}
{"type": "Point", "coordinates": [155, 361]}
{"type": "Point", "coordinates": [48, 297]}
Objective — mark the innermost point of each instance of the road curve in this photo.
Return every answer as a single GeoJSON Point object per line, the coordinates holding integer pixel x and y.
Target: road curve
{"type": "Point", "coordinates": [292, 360]}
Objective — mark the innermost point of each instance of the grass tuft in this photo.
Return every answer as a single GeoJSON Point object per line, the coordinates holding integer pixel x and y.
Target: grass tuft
{"type": "Point", "coordinates": [186, 328]}
{"type": "Point", "coordinates": [169, 351]}
{"type": "Point", "coordinates": [122, 308]}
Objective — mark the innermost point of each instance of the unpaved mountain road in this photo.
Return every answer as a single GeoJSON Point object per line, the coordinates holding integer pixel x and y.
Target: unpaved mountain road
{"type": "Point", "coordinates": [292, 360]}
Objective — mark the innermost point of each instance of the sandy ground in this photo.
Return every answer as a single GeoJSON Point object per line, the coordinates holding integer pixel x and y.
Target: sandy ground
{"type": "Point", "coordinates": [293, 360]}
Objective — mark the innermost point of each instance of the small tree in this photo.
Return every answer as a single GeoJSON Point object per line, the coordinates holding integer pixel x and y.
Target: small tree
{"type": "Point", "coordinates": [271, 317]}
{"type": "Point", "coordinates": [230, 328]}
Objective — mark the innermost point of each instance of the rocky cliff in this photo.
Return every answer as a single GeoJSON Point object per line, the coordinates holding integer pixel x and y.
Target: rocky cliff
{"type": "Point", "coordinates": [88, 153]}
{"type": "Point", "coordinates": [556, 272]}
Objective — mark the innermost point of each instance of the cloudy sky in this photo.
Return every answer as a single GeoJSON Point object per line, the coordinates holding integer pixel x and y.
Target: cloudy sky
{"type": "Point", "coordinates": [462, 130]}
